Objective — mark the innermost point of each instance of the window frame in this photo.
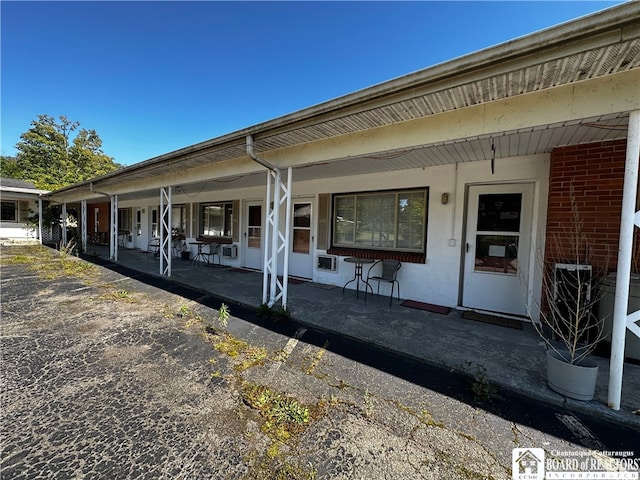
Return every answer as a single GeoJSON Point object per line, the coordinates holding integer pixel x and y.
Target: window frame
{"type": "Point", "coordinates": [127, 214]}
{"type": "Point", "coordinates": [226, 228]}
{"type": "Point", "coordinates": [381, 193]}
{"type": "Point", "coordinates": [3, 205]}
{"type": "Point", "coordinates": [179, 223]}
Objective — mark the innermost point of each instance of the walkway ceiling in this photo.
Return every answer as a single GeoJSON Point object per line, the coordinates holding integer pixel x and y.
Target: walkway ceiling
{"type": "Point", "coordinates": [597, 46]}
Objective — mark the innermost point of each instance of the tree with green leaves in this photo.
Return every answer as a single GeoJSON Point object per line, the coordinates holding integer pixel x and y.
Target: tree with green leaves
{"type": "Point", "coordinates": [55, 154]}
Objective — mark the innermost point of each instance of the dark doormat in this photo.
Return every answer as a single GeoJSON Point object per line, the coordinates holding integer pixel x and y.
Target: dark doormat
{"type": "Point", "coordinates": [426, 306]}
{"type": "Point", "coordinates": [322, 286]}
{"type": "Point", "coordinates": [493, 319]}
{"type": "Point", "coordinates": [293, 280]}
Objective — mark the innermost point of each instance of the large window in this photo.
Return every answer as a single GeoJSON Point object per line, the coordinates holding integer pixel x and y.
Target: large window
{"type": "Point", "coordinates": [124, 219]}
{"type": "Point", "coordinates": [216, 219]}
{"type": "Point", "coordinates": [8, 211]}
{"type": "Point", "coordinates": [391, 220]}
{"type": "Point", "coordinates": [179, 219]}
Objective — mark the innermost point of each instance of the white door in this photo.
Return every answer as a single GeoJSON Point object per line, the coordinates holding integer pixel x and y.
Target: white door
{"type": "Point", "coordinates": [137, 229]}
{"type": "Point", "coordinates": [497, 248]}
{"type": "Point", "coordinates": [253, 236]}
{"type": "Point", "coordinates": [301, 256]}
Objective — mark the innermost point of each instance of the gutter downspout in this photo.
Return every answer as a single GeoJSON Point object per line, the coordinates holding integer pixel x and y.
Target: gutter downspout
{"type": "Point", "coordinates": [271, 265]}
{"type": "Point", "coordinates": [257, 159]}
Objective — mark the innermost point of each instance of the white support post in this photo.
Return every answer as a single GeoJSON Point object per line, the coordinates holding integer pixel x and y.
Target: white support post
{"type": "Point", "coordinates": [285, 239]}
{"type": "Point", "coordinates": [165, 231]}
{"type": "Point", "coordinates": [267, 243]}
{"type": "Point", "coordinates": [83, 224]}
{"type": "Point", "coordinates": [628, 219]}
{"type": "Point", "coordinates": [40, 219]}
{"type": "Point", "coordinates": [64, 217]}
{"type": "Point", "coordinates": [277, 239]}
{"type": "Point", "coordinates": [113, 229]}
{"type": "Point", "coordinates": [273, 221]}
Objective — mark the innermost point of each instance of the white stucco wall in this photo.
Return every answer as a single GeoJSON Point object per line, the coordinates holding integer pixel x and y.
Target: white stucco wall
{"type": "Point", "coordinates": [438, 280]}
{"type": "Point", "coordinates": [19, 230]}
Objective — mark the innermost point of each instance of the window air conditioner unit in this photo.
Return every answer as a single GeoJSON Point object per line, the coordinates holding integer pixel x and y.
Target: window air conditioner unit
{"type": "Point", "coordinates": [326, 262]}
{"type": "Point", "coordinates": [230, 251]}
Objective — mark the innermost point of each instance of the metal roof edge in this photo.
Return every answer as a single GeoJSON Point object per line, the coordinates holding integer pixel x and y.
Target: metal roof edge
{"type": "Point", "coordinates": [33, 191]}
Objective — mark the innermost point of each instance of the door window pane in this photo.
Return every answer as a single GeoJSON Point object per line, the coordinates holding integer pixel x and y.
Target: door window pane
{"type": "Point", "coordinates": [255, 226]}
{"type": "Point", "coordinates": [499, 212]}
{"type": "Point", "coordinates": [497, 253]}
{"type": "Point", "coordinates": [302, 215]}
{"type": "Point", "coordinates": [301, 240]}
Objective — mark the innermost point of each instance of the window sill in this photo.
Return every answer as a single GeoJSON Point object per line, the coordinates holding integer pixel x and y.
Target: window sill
{"type": "Point", "coordinates": [407, 257]}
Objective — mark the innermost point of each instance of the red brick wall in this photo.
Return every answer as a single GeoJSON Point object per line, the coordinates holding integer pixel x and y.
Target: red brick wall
{"type": "Point", "coordinates": [103, 217]}
{"type": "Point", "coordinates": [595, 173]}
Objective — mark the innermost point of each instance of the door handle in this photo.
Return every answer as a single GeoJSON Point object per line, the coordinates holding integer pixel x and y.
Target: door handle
{"type": "Point", "coordinates": [467, 248]}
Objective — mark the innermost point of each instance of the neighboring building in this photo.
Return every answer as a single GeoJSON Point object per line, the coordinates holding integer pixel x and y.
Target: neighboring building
{"type": "Point", "coordinates": [19, 201]}
{"type": "Point", "coordinates": [459, 171]}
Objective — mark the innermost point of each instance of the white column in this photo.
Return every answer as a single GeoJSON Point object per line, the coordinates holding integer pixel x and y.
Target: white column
{"type": "Point", "coordinates": [64, 219]}
{"type": "Point", "coordinates": [266, 241]}
{"type": "Point", "coordinates": [40, 219]}
{"type": "Point", "coordinates": [627, 221]}
{"type": "Point", "coordinates": [165, 231]}
{"type": "Point", "coordinates": [113, 229]}
{"type": "Point", "coordinates": [83, 223]}
{"type": "Point", "coordinates": [276, 238]}
{"type": "Point", "coordinates": [286, 240]}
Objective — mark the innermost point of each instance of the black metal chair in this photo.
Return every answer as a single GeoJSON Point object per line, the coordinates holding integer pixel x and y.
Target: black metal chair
{"type": "Point", "coordinates": [214, 250]}
{"type": "Point", "coordinates": [154, 247]}
{"type": "Point", "coordinates": [389, 274]}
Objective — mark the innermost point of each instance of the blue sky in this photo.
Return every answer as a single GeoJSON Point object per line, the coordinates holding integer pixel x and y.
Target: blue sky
{"type": "Point", "coordinates": [152, 77]}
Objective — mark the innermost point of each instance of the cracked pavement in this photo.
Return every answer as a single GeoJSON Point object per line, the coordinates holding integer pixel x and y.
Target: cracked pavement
{"type": "Point", "coordinates": [103, 376]}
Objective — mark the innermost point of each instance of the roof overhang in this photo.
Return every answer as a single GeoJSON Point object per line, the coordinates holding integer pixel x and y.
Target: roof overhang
{"type": "Point", "coordinates": [510, 96]}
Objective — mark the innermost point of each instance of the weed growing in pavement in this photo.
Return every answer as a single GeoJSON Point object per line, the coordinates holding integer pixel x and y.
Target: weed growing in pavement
{"type": "Point", "coordinates": [368, 404]}
{"type": "Point", "coordinates": [482, 390]}
{"type": "Point", "coordinates": [51, 264]}
{"type": "Point", "coordinates": [275, 314]}
{"type": "Point", "coordinates": [284, 418]}
{"type": "Point", "coordinates": [223, 315]}
{"type": "Point", "coordinates": [21, 259]}
{"type": "Point", "coordinates": [283, 415]}
{"type": "Point", "coordinates": [316, 359]}
{"type": "Point", "coordinates": [118, 295]}
{"type": "Point", "coordinates": [247, 355]}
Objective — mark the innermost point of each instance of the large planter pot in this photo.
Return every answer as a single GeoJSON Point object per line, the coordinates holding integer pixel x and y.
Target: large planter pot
{"type": "Point", "coordinates": [577, 381]}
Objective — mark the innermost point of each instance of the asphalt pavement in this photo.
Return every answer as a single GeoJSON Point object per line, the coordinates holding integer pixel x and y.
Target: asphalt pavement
{"type": "Point", "coordinates": [112, 375]}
